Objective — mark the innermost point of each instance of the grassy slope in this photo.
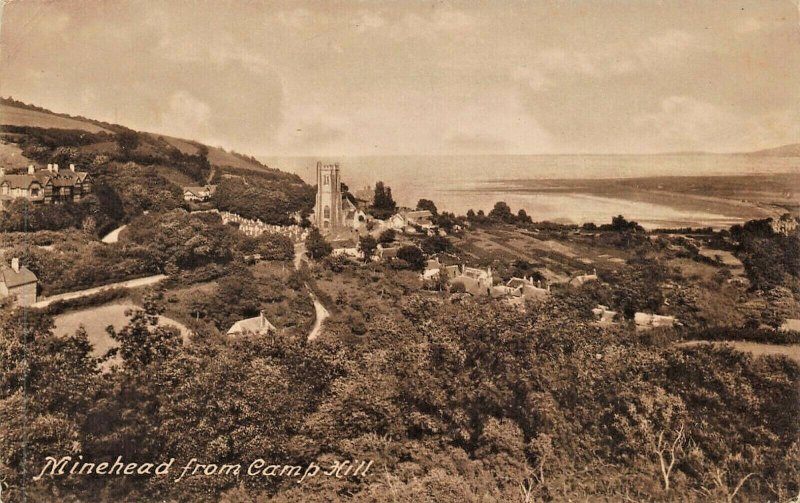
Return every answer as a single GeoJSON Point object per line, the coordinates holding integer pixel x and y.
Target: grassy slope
{"type": "Point", "coordinates": [14, 116]}
{"type": "Point", "coordinates": [10, 115]}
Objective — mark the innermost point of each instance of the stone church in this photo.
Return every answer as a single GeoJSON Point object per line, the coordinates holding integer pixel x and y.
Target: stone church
{"type": "Point", "coordinates": [335, 212]}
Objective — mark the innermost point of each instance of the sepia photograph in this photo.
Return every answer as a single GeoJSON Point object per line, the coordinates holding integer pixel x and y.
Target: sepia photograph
{"type": "Point", "coordinates": [390, 251]}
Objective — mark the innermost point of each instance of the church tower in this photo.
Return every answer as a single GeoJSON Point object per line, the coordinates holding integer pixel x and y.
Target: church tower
{"type": "Point", "coordinates": [328, 215]}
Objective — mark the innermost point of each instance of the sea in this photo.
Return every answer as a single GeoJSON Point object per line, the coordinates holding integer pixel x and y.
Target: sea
{"type": "Point", "coordinates": [460, 183]}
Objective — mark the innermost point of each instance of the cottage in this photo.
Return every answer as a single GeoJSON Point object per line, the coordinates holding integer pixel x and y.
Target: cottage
{"type": "Point", "coordinates": [583, 278]}
{"type": "Point", "coordinates": [258, 326]}
{"type": "Point", "coordinates": [528, 288]}
{"type": "Point", "coordinates": [46, 186]}
{"type": "Point", "coordinates": [434, 269]}
{"type": "Point", "coordinates": [646, 321]}
{"type": "Point", "coordinates": [407, 221]}
{"type": "Point", "coordinates": [199, 193]}
{"type": "Point", "coordinates": [603, 315]}
{"type": "Point", "coordinates": [18, 281]}
{"type": "Point", "coordinates": [475, 281]}
{"type": "Point", "coordinates": [385, 253]}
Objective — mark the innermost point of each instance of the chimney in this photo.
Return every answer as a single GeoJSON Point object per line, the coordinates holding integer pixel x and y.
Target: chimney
{"type": "Point", "coordinates": [2, 171]}
{"type": "Point", "coordinates": [55, 168]}
{"type": "Point", "coordinates": [72, 167]}
{"type": "Point", "coordinates": [31, 169]}
{"type": "Point", "coordinates": [50, 168]}
{"type": "Point", "coordinates": [15, 264]}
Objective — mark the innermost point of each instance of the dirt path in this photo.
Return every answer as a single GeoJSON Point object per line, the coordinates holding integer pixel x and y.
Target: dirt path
{"type": "Point", "coordinates": [133, 283]}
{"type": "Point", "coordinates": [791, 351]}
{"type": "Point", "coordinates": [113, 236]}
{"type": "Point", "coordinates": [321, 313]}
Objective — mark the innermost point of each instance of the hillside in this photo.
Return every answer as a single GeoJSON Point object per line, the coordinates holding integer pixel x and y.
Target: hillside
{"type": "Point", "coordinates": [135, 172]}
{"type": "Point", "coordinates": [791, 150]}
{"type": "Point", "coordinates": [14, 113]}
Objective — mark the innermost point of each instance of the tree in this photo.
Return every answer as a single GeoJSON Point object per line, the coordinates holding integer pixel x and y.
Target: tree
{"type": "Point", "coordinates": [412, 256]}
{"type": "Point", "coordinates": [387, 236]}
{"type": "Point", "coordinates": [427, 204]}
{"type": "Point", "coordinates": [383, 205]}
{"type": "Point", "coordinates": [142, 341]}
{"type": "Point", "coordinates": [501, 212]}
{"type": "Point", "coordinates": [668, 453]}
{"type": "Point", "coordinates": [436, 244]}
{"type": "Point", "coordinates": [127, 140]}
{"type": "Point", "coordinates": [367, 245]}
{"type": "Point", "coordinates": [318, 247]}
{"type": "Point", "coordinates": [523, 217]}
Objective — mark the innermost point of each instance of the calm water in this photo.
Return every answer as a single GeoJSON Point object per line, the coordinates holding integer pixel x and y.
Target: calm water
{"type": "Point", "coordinates": [459, 183]}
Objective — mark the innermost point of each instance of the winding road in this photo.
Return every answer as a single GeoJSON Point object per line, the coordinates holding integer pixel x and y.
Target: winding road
{"type": "Point", "coordinates": [320, 312]}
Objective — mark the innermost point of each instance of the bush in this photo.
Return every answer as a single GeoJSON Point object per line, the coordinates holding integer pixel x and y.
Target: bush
{"type": "Point", "coordinates": [387, 236]}
{"type": "Point", "coordinates": [412, 257]}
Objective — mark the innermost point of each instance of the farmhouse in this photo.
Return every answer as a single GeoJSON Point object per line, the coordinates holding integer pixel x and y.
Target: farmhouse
{"type": "Point", "coordinates": [199, 193]}
{"type": "Point", "coordinates": [18, 281]}
{"type": "Point", "coordinates": [46, 186]}
{"type": "Point", "coordinates": [258, 326]}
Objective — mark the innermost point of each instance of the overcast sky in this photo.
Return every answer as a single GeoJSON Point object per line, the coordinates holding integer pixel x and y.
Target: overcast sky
{"type": "Point", "coordinates": [362, 77]}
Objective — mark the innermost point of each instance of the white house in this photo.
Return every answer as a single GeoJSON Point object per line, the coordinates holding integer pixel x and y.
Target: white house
{"type": "Point", "coordinates": [258, 325]}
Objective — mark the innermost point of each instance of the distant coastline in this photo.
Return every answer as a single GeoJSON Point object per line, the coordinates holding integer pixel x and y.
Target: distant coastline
{"type": "Point", "coordinates": [714, 190]}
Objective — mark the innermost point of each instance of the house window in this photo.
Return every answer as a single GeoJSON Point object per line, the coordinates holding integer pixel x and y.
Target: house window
{"type": "Point", "coordinates": [326, 212]}
{"type": "Point", "coordinates": [327, 180]}
{"type": "Point", "coordinates": [34, 192]}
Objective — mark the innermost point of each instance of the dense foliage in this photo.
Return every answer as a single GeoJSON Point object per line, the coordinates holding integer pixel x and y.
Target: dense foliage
{"type": "Point", "coordinates": [271, 197]}
{"type": "Point", "coordinates": [473, 404]}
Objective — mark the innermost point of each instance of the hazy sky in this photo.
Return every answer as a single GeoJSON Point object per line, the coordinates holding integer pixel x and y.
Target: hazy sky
{"type": "Point", "coordinates": [411, 77]}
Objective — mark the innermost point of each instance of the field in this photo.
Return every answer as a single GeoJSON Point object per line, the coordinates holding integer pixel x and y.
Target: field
{"type": "Point", "coordinates": [216, 155]}
{"type": "Point", "coordinates": [96, 319]}
{"type": "Point", "coordinates": [23, 117]}
{"type": "Point", "coordinates": [11, 155]}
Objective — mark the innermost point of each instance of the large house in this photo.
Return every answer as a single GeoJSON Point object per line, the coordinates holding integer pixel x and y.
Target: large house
{"type": "Point", "coordinates": [785, 225]}
{"type": "Point", "coordinates": [46, 186]}
{"type": "Point", "coordinates": [19, 281]}
{"type": "Point", "coordinates": [199, 193]}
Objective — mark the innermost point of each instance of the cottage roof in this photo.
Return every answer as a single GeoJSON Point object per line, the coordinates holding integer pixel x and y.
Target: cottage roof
{"type": "Point", "coordinates": [197, 189]}
{"type": "Point", "coordinates": [256, 325]}
{"type": "Point", "coordinates": [517, 282]}
{"type": "Point", "coordinates": [13, 278]}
